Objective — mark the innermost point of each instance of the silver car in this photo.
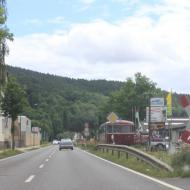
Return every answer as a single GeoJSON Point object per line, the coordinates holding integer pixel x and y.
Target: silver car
{"type": "Point", "coordinates": [66, 144]}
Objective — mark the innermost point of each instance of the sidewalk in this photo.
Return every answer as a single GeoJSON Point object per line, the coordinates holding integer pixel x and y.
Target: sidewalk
{"type": "Point", "coordinates": [25, 149]}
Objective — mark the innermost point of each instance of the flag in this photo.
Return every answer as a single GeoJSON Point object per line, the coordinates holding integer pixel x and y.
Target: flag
{"type": "Point", "coordinates": [169, 104]}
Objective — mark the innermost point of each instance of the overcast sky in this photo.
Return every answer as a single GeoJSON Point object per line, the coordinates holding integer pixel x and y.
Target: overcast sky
{"type": "Point", "coordinates": [103, 39]}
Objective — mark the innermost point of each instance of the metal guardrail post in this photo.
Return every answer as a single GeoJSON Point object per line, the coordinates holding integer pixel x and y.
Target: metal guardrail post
{"type": "Point", "coordinates": [127, 156]}
{"type": "Point", "coordinates": [118, 154]}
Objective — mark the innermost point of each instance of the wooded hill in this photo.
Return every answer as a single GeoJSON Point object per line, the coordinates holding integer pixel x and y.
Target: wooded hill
{"type": "Point", "coordinates": [58, 104]}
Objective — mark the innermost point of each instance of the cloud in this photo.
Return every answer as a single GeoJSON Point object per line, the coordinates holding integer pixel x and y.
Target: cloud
{"type": "Point", "coordinates": [159, 48]}
{"type": "Point", "coordinates": [57, 20]}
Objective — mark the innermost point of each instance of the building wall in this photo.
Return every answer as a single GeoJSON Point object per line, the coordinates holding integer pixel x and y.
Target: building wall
{"type": "Point", "coordinates": [23, 133]}
{"type": "Point", "coordinates": [5, 132]}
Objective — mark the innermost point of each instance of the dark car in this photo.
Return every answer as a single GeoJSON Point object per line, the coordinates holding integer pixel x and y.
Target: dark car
{"type": "Point", "coordinates": [66, 144]}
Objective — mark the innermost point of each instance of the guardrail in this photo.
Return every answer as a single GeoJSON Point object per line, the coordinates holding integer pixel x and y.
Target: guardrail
{"type": "Point", "coordinates": [136, 153]}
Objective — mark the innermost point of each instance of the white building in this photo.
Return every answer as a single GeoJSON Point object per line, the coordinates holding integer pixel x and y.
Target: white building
{"type": "Point", "coordinates": [23, 134]}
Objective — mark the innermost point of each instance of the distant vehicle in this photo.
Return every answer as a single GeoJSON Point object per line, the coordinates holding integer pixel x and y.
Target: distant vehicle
{"type": "Point", "coordinates": [159, 143]}
{"type": "Point", "coordinates": [66, 144]}
{"type": "Point", "coordinates": [55, 142]}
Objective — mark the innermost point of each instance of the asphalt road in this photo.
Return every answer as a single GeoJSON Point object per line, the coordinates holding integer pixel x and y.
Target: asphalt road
{"type": "Point", "coordinates": [51, 169]}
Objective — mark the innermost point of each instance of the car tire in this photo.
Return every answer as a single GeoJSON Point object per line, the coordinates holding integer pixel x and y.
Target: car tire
{"type": "Point", "coordinates": [160, 147]}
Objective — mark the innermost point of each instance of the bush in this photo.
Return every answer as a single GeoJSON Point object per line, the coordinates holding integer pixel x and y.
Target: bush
{"type": "Point", "coordinates": [181, 163]}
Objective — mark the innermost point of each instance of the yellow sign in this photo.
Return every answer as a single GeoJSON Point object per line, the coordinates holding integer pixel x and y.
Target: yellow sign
{"type": "Point", "coordinates": [112, 117]}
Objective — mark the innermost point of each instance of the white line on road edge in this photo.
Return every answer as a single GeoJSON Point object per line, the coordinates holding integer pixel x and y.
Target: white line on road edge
{"type": "Point", "coordinates": [137, 173]}
{"type": "Point", "coordinates": [41, 166]}
{"type": "Point", "coordinates": [24, 153]}
{"type": "Point", "coordinates": [29, 179]}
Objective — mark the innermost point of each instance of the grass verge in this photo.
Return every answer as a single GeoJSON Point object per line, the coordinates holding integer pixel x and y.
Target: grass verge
{"type": "Point", "coordinates": [8, 153]}
{"type": "Point", "coordinates": [133, 163]}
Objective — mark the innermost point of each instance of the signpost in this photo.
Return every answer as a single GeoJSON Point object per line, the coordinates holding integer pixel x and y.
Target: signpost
{"type": "Point", "coordinates": [112, 118]}
{"type": "Point", "coordinates": [155, 114]}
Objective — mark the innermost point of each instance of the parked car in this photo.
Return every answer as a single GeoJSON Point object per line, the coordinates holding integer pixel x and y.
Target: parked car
{"type": "Point", "coordinates": [55, 142]}
{"type": "Point", "coordinates": [159, 143]}
{"type": "Point", "coordinates": [66, 144]}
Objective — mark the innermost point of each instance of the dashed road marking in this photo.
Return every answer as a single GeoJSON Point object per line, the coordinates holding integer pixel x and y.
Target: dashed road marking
{"type": "Point", "coordinates": [41, 166]}
{"type": "Point", "coordinates": [47, 160]}
{"type": "Point", "coordinates": [29, 179]}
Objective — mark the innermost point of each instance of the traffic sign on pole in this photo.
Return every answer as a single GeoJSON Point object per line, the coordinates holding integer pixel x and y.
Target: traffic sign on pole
{"type": "Point", "coordinates": [112, 117]}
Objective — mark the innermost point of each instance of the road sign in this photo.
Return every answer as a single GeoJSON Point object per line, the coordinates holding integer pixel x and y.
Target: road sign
{"type": "Point", "coordinates": [112, 117]}
{"type": "Point", "coordinates": [158, 102]}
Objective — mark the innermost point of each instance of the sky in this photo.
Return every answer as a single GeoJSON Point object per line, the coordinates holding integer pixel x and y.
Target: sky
{"type": "Point", "coordinates": [103, 39]}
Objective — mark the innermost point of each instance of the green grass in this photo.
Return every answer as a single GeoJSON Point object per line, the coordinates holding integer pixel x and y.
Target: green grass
{"type": "Point", "coordinates": [163, 156]}
{"type": "Point", "coordinates": [134, 163]}
{"type": "Point", "coordinates": [8, 153]}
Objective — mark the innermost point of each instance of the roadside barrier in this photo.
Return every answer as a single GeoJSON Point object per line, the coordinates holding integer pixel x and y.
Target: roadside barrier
{"type": "Point", "coordinates": [140, 155]}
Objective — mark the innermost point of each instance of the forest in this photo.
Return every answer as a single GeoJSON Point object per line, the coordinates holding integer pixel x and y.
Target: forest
{"type": "Point", "coordinates": [60, 104]}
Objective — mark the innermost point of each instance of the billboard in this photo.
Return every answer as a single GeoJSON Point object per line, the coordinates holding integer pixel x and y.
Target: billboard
{"type": "Point", "coordinates": [157, 102]}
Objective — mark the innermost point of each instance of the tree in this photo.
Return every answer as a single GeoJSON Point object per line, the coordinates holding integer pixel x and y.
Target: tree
{"type": "Point", "coordinates": [134, 95]}
{"type": "Point", "coordinates": [4, 36]}
{"type": "Point", "coordinates": [13, 103]}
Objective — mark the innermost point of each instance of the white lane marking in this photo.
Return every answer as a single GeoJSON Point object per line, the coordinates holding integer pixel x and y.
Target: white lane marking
{"type": "Point", "coordinates": [47, 160]}
{"type": "Point", "coordinates": [137, 173]}
{"type": "Point", "coordinates": [41, 166]}
{"type": "Point", "coordinates": [52, 154]}
{"type": "Point", "coordinates": [29, 179]}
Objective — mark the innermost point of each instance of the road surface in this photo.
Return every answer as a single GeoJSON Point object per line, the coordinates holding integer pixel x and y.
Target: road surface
{"type": "Point", "coordinates": [51, 169]}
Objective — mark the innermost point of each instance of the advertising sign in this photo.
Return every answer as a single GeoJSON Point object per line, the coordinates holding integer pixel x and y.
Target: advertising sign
{"type": "Point", "coordinates": [158, 114]}
{"type": "Point", "coordinates": [157, 102]}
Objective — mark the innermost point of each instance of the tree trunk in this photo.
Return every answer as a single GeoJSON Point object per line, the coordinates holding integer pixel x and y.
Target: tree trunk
{"type": "Point", "coordinates": [12, 134]}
